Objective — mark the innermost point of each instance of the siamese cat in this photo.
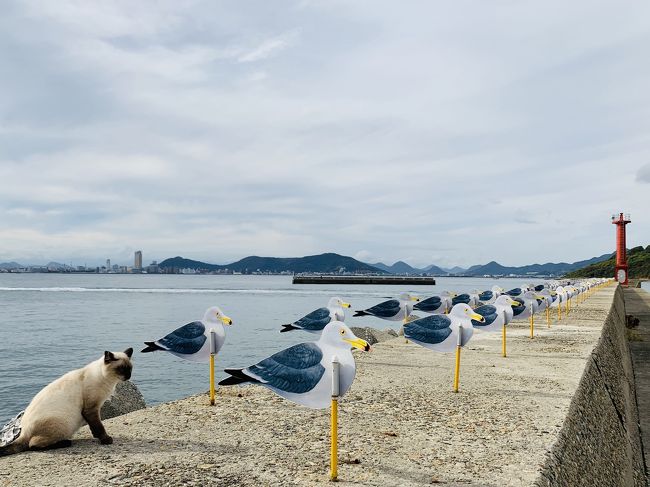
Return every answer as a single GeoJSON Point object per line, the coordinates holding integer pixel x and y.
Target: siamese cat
{"type": "Point", "coordinates": [68, 403]}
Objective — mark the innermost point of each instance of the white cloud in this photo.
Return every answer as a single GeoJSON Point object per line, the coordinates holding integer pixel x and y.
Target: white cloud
{"type": "Point", "coordinates": [439, 134]}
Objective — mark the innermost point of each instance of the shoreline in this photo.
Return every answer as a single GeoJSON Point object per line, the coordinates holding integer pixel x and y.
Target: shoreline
{"type": "Point", "coordinates": [399, 424]}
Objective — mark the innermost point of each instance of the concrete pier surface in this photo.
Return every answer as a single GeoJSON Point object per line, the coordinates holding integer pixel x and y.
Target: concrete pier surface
{"type": "Point", "coordinates": [400, 424]}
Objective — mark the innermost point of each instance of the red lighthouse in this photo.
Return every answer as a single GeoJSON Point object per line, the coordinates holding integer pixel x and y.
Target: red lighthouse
{"type": "Point", "coordinates": [621, 260]}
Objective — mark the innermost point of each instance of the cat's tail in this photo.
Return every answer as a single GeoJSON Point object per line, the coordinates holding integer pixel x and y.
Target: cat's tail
{"type": "Point", "coordinates": [151, 347]}
{"type": "Point", "coordinates": [12, 448]}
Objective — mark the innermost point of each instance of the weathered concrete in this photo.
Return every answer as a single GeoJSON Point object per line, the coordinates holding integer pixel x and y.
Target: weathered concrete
{"type": "Point", "coordinates": [637, 305]}
{"type": "Point", "coordinates": [400, 424]}
{"type": "Point", "coordinates": [600, 443]}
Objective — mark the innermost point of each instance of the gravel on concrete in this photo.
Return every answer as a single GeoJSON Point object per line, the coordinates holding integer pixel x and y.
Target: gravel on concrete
{"type": "Point", "coordinates": [400, 423]}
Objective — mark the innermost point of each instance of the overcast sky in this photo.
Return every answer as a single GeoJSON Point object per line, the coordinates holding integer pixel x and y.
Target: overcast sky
{"type": "Point", "coordinates": [434, 132]}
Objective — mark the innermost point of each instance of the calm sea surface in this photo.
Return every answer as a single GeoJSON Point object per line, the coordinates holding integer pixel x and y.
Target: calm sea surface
{"type": "Point", "coordinates": [53, 323]}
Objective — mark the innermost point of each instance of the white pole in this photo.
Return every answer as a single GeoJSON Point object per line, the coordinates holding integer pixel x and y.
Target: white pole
{"type": "Point", "coordinates": [334, 426]}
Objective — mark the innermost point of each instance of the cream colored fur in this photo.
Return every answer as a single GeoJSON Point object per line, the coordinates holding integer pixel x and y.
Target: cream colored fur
{"type": "Point", "coordinates": [56, 412]}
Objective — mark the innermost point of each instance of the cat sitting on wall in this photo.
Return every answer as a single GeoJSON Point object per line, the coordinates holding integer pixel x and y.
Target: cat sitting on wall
{"type": "Point", "coordinates": [67, 404]}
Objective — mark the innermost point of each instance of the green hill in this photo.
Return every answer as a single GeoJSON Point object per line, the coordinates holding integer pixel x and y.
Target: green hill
{"type": "Point", "coordinates": [323, 263]}
{"type": "Point", "coordinates": [638, 260]}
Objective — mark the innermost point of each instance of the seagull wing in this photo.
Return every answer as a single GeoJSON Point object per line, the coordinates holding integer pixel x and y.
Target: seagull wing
{"type": "Point", "coordinates": [488, 312]}
{"type": "Point", "coordinates": [514, 292]}
{"type": "Point", "coordinates": [187, 339]}
{"type": "Point", "coordinates": [386, 309]}
{"type": "Point", "coordinates": [296, 369]}
{"type": "Point", "coordinates": [431, 329]}
{"type": "Point", "coordinates": [485, 296]}
{"type": "Point", "coordinates": [314, 321]}
{"type": "Point", "coordinates": [461, 298]}
{"type": "Point", "coordinates": [428, 305]}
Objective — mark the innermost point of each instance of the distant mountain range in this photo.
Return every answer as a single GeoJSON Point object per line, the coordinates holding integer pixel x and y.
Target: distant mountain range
{"type": "Point", "coordinates": [493, 268]}
{"type": "Point", "coordinates": [401, 267]}
{"type": "Point", "coordinates": [335, 263]}
{"type": "Point", "coordinates": [323, 263]}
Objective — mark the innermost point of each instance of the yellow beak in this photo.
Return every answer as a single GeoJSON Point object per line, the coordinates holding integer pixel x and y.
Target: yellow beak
{"type": "Point", "coordinates": [346, 305]}
{"type": "Point", "coordinates": [413, 298]}
{"type": "Point", "coordinates": [477, 317]}
{"type": "Point", "coordinates": [226, 320]}
{"type": "Point", "coordinates": [358, 343]}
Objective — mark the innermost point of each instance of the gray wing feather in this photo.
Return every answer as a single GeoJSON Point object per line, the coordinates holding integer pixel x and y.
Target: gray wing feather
{"type": "Point", "coordinates": [316, 320]}
{"type": "Point", "coordinates": [432, 329]}
{"type": "Point", "coordinates": [187, 339]}
{"type": "Point", "coordinates": [296, 369]}
{"type": "Point", "coordinates": [385, 309]}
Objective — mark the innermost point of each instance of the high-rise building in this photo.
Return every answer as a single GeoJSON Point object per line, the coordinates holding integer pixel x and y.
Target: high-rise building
{"type": "Point", "coordinates": [138, 260]}
{"type": "Point", "coordinates": [108, 263]}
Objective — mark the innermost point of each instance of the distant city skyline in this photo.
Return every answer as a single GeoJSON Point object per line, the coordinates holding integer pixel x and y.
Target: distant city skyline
{"type": "Point", "coordinates": [448, 133]}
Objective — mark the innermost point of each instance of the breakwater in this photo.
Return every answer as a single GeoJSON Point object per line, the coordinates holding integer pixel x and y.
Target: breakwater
{"type": "Point", "coordinates": [327, 279]}
{"type": "Point", "coordinates": [516, 421]}
{"type": "Point", "coordinates": [600, 441]}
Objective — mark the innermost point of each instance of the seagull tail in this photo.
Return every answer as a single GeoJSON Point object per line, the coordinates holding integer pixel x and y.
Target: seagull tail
{"type": "Point", "coordinates": [237, 376]}
{"type": "Point", "coordinates": [288, 327]}
{"type": "Point", "coordinates": [360, 313]}
{"type": "Point", "coordinates": [151, 347]}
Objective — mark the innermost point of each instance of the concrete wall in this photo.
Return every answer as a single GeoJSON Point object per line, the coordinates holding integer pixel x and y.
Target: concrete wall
{"type": "Point", "coordinates": [600, 444]}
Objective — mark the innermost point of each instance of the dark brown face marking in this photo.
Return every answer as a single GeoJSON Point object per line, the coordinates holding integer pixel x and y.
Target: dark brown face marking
{"type": "Point", "coordinates": [124, 370]}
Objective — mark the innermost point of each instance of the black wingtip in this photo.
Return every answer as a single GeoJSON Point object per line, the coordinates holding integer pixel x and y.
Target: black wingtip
{"type": "Point", "coordinates": [288, 328]}
{"type": "Point", "coordinates": [237, 377]}
{"type": "Point", "coordinates": [231, 381]}
{"type": "Point", "coordinates": [151, 347]}
{"type": "Point", "coordinates": [360, 313]}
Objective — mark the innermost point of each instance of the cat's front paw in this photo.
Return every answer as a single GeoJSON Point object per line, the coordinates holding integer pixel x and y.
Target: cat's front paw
{"type": "Point", "coordinates": [106, 440]}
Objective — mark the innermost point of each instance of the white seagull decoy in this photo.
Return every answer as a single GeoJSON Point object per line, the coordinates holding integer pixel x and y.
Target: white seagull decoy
{"type": "Point", "coordinates": [440, 332]}
{"type": "Point", "coordinates": [303, 373]}
{"type": "Point", "coordinates": [192, 341]}
{"type": "Point", "coordinates": [315, 321]}
{"type": "Point", "coordinates": [496, 315]}
{"type": "Point", "coordinates": [392, 310]}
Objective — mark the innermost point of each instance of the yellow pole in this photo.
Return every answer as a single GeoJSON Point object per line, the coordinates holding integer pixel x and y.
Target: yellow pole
{"type": "Point", "coordinates": [334, 427]}
{"type": "Point", "coordinates": [457, 372]}
{"type": "Point", "coordinates": [211, 380]}
{"type": "Point", "coordinates": [213, 352]}
{"type": "Point", "coordinates": [459, 344]}
{"type": "Point", "coordinates": [532, 326]}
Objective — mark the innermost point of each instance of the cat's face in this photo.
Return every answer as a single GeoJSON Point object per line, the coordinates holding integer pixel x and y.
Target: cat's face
{"type": "Point", "coordinates": [119, 363]}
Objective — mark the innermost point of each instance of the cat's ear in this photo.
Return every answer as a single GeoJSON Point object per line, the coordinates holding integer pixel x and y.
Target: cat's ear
{"type": "Point", "coordinates": [109, 357]}
{"type": "Point", "coordinates": [128, 352]}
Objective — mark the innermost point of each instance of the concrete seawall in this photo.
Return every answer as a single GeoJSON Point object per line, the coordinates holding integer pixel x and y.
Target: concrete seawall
{"type": "Point", "coordinates": [600, 442]}
{"type": "Point", "coordinates": [559, 410]}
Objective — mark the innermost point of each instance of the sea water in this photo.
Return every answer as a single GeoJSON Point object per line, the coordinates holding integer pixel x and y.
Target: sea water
{"type": "Point", "coordinates": [53, 323]}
